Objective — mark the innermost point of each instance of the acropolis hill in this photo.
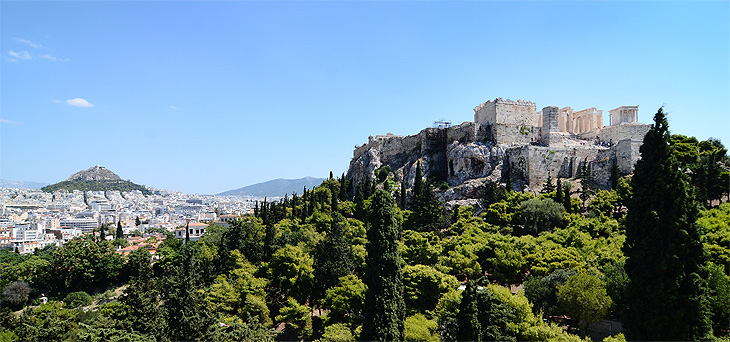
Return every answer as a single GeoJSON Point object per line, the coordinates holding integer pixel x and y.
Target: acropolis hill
{"type": "Point", "coordinates": [508, 139]}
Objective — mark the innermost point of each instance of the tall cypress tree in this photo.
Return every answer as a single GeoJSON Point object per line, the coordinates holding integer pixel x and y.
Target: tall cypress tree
{"type": "Point", "coordinates": [427, 209]}
{"type": "Point", "coordinates": [333, 257]}
{"type": "Point", "coordinates": [470, 329]}
{"type": "Point", "coordinates": [559, 192]}
{"type": "Point", "coordinates": [403, 194]}
{"type": "Point", "coordinates": [120, 233]}
{"type": "Point", "coordinates": [384, 308]}
{"type": "Point", "coordinates": [343, 188]}
{"type": "Point", "coordinates": [666, 296]}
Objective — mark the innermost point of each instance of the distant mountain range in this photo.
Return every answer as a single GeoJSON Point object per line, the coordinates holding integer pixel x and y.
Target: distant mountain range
{"type": "Point", "coordinates": [275, 188]}
{"type": "Point", "coordinates": [4, 183]}
{"type": "Point", "coordinates": [97, 178]}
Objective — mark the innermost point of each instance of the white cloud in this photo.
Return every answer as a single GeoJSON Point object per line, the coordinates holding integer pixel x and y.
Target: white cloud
{"type": "Point", "coordinates": [48, 57]}
{"type": "Point", "coordinates": [31, 44]}
{"type": "Point", "coordinates": [24, 55]}
{"type": "Point", "coordinates": [173, 107]}
{"type": "Point", "coordinates": [10, 122]}
{"type": "Point", "coordinates": [53, 58]}
{"type": "Point", "coordinates": [79, 102]}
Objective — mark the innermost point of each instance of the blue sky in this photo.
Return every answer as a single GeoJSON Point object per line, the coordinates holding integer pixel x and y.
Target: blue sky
{"type": "Point", "coordinates": [203, 97]}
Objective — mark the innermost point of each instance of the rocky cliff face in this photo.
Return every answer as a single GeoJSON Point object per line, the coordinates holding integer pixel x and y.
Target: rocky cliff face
{"type": "Point", "coordinates": [96, 173]}
{"type": "Point", "coordinates": [467, 155]}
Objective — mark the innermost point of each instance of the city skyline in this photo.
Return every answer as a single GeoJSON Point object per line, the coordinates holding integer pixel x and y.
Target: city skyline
{"type": "Point", "coordinates": [204, 97]}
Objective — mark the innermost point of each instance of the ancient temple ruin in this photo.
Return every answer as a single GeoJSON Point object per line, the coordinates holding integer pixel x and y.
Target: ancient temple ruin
{"type": "Point", "coordinates": [510, 139]}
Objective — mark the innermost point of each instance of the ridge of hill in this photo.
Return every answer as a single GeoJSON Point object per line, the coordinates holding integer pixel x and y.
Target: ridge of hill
{"type": "Point", "coordinates": [96, 178]}
{"type": "Point", "coordinates": [275, 188]}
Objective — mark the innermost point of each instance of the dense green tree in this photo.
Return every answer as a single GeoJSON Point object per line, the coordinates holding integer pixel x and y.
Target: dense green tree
{"type": "Point", "coordinates": [102, 232]}
{"type": "Point", "coordinates": [240, 293]}
{"type": "Point", "coordinates": [418, 328]}
{"type": "Point", "coordinates": [483, 316]}
{"type": "Point", "coordinates": [604, 203]}
{"type": "Point", "coordinates": [719, 288]}
{"type": "Point", "coordinates": [538, 215]}
{"type": "Point", "coordinates": [291, 273]}
{"type": "Point", "coordinates": [34, 269]}
{"type": "Point", "coordinates": [427, 211]}
{"type": "Point", "coordinates": [15, 295]}
{"type": "Point", "coordinates": [85, 264]}
{"type": "Point", "coordinates": [583, 297]}
{"type": "Point", "coordinates": [75, 299]}
{"type": "Point", "coordinates": [470, 328]}
{"type": "Point", "coordinates": [248, 237]}
{"type": "Point", "coordinates": [667, 293]}
{"type": "Point", "coordinates": [337, 332]}
{"type": "Point", "coordinates": [384, 311]}
{"type": "Point", "coordinates": [542, 291]}
{"type": "Point", "coordinates": [141, 304]}
{"type": "Point", "coordinates": [491, 194]}
{"type": "Point", "coordinates": [423, 286]}
{"type": "Point", "coordinates": [345, 300]}
{"type": "Point", "coordinates": [183, 300]}
{"type": "Point", "coordinates": [298, 318]}
{"type": "Point", "coordinates": [333, 257]}
{"type": "Point", "coordinates": [616, 282]}
{"type": "Point", "coordinates": [420, 248]}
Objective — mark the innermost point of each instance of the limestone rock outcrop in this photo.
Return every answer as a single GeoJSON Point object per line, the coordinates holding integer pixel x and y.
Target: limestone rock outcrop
{"type": "Point", "coordinates": [459, 159]}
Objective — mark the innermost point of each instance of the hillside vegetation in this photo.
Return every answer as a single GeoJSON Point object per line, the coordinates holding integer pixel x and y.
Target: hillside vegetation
{"type": "Point", "coordinates": [376, 261]}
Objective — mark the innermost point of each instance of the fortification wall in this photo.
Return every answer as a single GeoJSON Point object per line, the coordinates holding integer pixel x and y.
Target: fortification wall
{"type": "Point", "coordinates": [512, 134]}
{"type": "Point", "coordinates": [633, 131]}
{"type": "Point", "coordinates": [507, 112]}
{"type": "Point", "coordinates": [627, 154]}
{"type": "Point", "coordinates": [486, 113]}
{"type": "Point", "coordinates": [533, 164]}
{"type": "Point", "coordinates": [462, 133]}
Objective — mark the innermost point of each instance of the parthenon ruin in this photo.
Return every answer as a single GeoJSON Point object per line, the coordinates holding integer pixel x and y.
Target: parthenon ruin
{"type": "Point", "coordinates": [521, 112]}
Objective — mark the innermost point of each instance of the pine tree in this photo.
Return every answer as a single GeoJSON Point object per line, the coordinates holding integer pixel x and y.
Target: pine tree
{"type": "Point", "coordinates": [384, 308]}
{"type": "Point", "coordinates": [102, 234]}
{"type": "Point", "coordinates": [667, 292]}
{"type": "Point", "coordinates": [120, 232]}
{"type": "Point", "coordinates": [137, 221]}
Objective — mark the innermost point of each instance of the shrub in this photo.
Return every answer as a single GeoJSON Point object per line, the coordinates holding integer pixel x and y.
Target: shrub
{"type": "Point", "coordinates": [16, 294]}
{"type": "Point", "coordinates": [76, 299]}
